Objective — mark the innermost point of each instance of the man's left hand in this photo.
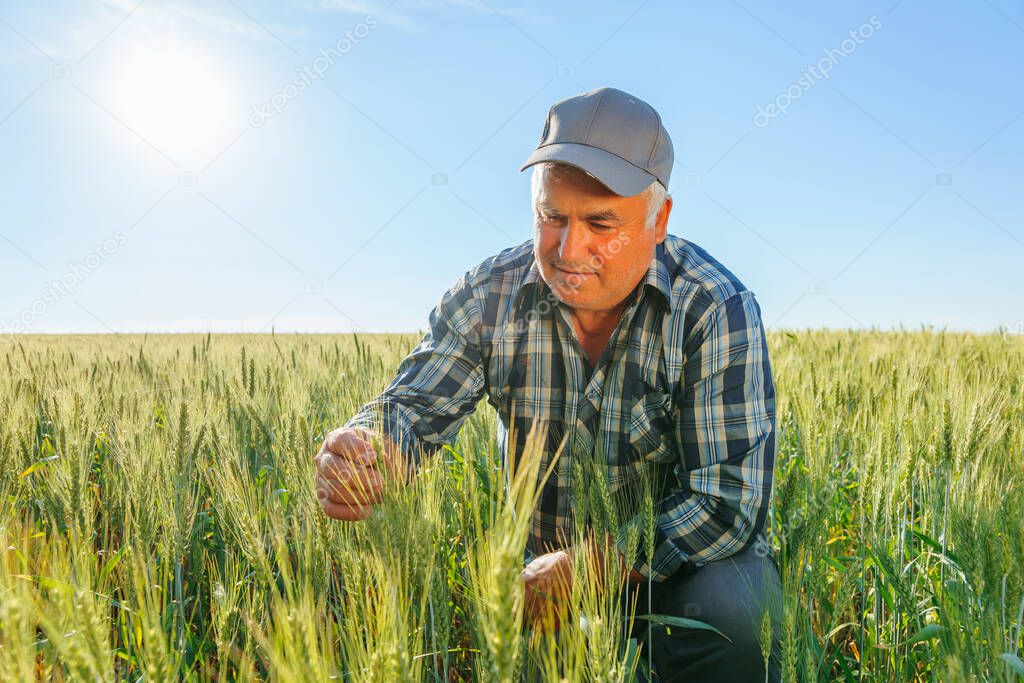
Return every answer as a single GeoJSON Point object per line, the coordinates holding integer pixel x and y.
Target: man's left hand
{"type": "Point", "coordinates": [597, 560]}
{"type": "Point", "coordinates": [548, 580]}
{"type": "Point", "coordinates": [547, 584]}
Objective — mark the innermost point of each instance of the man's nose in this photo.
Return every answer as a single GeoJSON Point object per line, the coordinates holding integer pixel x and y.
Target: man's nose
{"type": "Point", "coordinates": [574, 247]}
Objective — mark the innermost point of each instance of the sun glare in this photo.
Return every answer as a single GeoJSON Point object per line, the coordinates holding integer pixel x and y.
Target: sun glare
{"type": "Point", "coordinates": [175, 97]}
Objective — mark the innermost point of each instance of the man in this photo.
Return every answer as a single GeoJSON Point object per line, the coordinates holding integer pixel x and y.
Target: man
{"type": "Point", "coordinates": [622, 339]}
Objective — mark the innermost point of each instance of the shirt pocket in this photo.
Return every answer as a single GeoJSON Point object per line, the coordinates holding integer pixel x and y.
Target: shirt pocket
{"type": "Point", "coordinates": [652, 426]}
{"type": "Point", "coordinates": [509, 391]}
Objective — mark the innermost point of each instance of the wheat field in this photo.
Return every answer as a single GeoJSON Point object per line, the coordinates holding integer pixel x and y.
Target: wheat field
{"type": "Point", "coordinates": [159, 522]}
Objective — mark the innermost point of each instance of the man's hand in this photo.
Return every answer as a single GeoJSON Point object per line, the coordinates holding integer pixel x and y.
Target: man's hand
{"type": "Point", "coordinates": [597, 562]}
{"type": "Point", "coordinates": [548, 579]}
{"type": "Point", "coordinates": [348, 480]}
{"type": "Point", "coordinates": [547, 585]}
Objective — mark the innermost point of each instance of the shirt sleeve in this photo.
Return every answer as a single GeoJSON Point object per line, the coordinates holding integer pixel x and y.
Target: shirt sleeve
{"type": "Point", "coordinates": [437, 386]}
{"type": "Point", "coordinates": [718, 500]}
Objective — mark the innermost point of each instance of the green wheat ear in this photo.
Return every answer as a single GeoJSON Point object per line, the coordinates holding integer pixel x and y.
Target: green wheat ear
{"type": "Point", "coordinates": [766, 639]}
{"type": "Point", "coordinates": [377, 444]}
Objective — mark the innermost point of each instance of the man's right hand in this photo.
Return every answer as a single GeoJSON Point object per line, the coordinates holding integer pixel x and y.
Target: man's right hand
{"type": "Point", "coordinates": [348, 482]}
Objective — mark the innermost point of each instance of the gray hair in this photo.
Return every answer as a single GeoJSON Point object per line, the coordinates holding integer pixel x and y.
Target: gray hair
{"type": "Point", "coordinates": [656, 193]}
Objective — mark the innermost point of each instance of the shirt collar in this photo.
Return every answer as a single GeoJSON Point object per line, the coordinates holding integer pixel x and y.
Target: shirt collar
{"type": "Point", "coordinates": [657, 277]}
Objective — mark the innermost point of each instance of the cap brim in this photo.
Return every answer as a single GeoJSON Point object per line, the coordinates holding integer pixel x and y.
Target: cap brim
{"type": "Point", "coordinates": [620, 176]}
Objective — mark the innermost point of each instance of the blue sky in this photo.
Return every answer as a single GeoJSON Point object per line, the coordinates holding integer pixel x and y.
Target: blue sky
{"type": "Point", "coordinates": [160, 174]}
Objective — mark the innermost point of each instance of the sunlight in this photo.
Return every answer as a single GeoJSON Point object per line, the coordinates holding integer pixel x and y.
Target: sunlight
{"type": "Point", "coordinates": [175, 97]}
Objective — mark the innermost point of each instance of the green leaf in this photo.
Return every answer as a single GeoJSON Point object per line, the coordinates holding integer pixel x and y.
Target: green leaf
{"type": "Point", "coordinates": [934, 545]}
{"type": "Point", "coordinates": [632, 660]}
{"type": "Point", "coordinates": [847, 673]}
{"type": "Point", "coordinates": [36, 465]}
{"type": "Point", "coordinates": [926, 633]}
{"type": "Point", "coordinates": [886, 594]}
{"type": "Point", "coordinates": [831, 634]}
{"type": "Point", "coordinates": [109, 565]}
{"type": "Point", "coordinates": [834, 563]}
{"type": "Point", "coordinates": [1014, 661]}
{"type": "Point", "coordinates": [682, 622]}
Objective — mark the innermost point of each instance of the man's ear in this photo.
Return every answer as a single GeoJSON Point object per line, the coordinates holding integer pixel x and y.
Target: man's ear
{"type": "Point", "coordinates": [661, 223]}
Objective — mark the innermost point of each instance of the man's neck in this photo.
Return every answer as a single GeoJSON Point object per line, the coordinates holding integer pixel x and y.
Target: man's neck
{"type": "Point", "coordinates": [594, 329]}
{"type": "Point", "coordinates": [595, 323]}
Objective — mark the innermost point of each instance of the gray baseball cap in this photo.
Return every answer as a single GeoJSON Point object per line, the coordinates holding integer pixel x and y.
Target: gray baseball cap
{"type": "Point", "coordinates": [612, 135]}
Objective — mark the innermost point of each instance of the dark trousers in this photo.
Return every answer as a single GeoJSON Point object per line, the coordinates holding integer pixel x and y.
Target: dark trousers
{"type": "Point", "coordinates": [732, 595]}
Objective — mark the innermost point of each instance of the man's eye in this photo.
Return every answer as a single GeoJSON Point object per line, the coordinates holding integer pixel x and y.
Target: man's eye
{"type": "Point", "coordinates": [600, 227]}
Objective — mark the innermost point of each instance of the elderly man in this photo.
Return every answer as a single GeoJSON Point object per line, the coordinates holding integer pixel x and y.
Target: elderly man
{"type": "Point", "coordinates": [619, 338]}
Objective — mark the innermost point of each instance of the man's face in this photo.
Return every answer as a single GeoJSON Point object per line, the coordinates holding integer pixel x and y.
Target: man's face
{"type": "Point", "coordinates": [591, 244]}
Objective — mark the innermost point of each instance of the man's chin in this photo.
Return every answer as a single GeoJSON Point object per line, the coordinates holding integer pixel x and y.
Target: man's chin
{"type": "Point", "coordinates": [573, 281]}
{"type": "Point", "coordinates": [574, 296]}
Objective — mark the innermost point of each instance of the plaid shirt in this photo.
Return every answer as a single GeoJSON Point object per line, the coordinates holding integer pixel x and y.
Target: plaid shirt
{"type": "Point", "coordinates": [684, 387]}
